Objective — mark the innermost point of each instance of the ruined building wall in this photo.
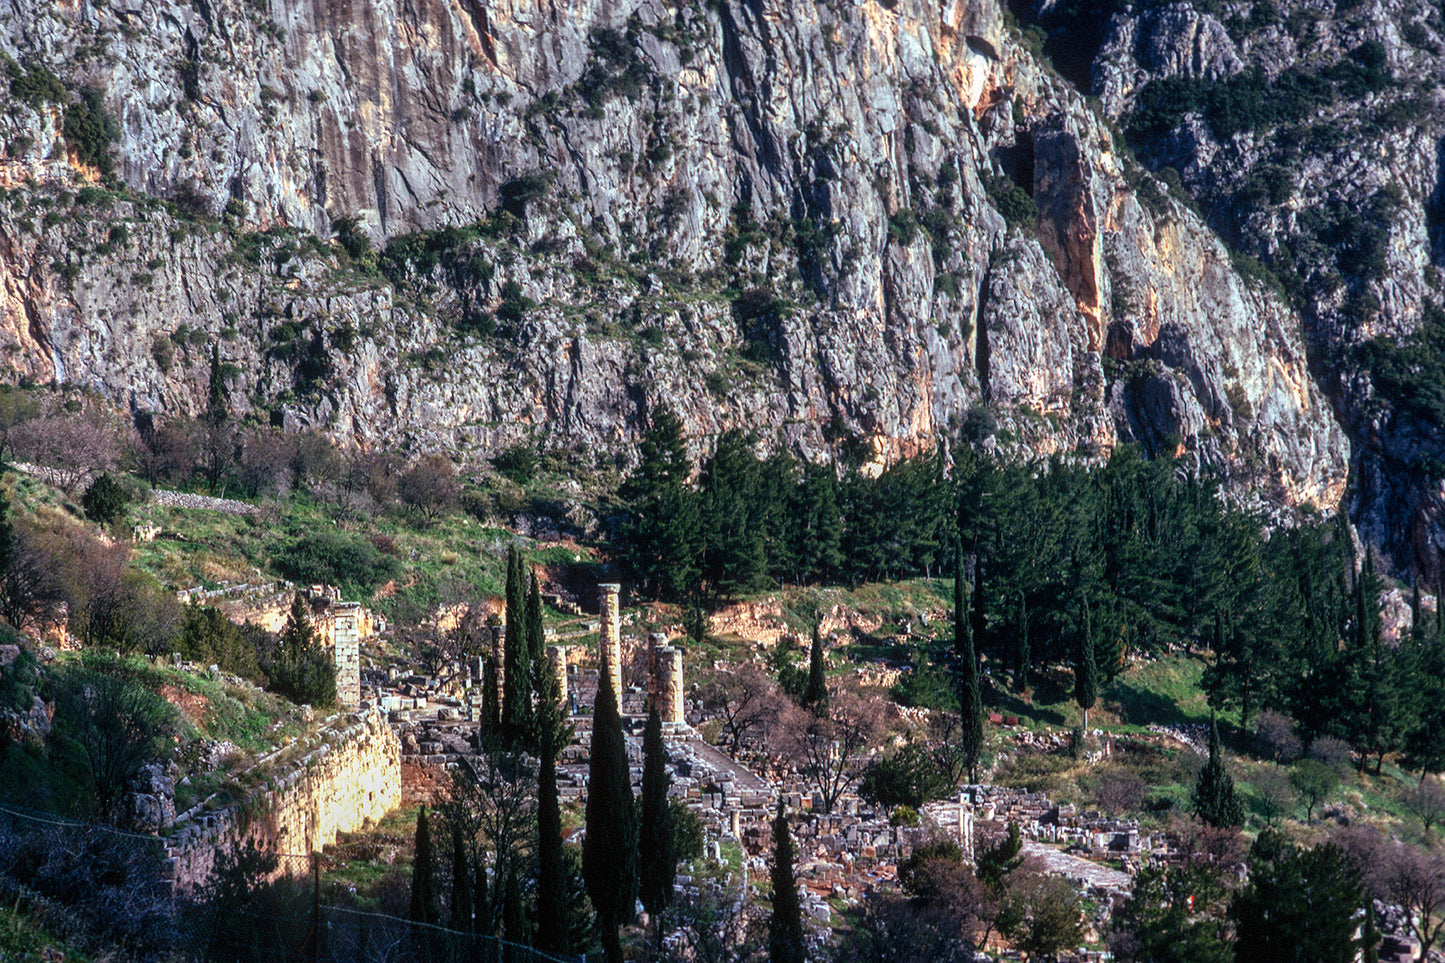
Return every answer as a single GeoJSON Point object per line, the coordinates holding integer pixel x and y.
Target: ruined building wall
{"type": "Point", "coordinates": [345, 777]}
{"type": "Point", "coordinates": [346, 652]}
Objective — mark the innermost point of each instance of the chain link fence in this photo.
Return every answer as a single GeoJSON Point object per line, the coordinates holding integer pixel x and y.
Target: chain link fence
{"type": "Point", "coordinates": [103, 890]}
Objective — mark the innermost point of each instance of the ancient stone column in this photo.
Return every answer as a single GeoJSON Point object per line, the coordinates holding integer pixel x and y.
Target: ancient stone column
{"type": "Point", "coordinates": [346, 652]}
{"type": "Point", "coordinates": [965, 826]}
{"type": "Point", "coordinates": [611, 669]}
{"type": "Point", "coordinates": [558, 655]}
{"type": "Point", "coordinates": [655, 641]}
{"type": "Point", "coordinates": [669, 684]}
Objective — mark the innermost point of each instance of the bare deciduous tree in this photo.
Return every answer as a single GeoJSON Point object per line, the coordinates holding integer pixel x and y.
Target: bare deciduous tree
{"type": "Point", "coordinates": [264, 463]}
{"type": "Point", "coordinates": [1426, 801]}
{"type": "Point", "coordinates": [1402, 875]}
{"type": "Point", "coordinates": [494, 800]}
{"type": "Point", "coordinates": [430, 487]}
{"type": "Point", "coordinates": [831, 750]}
{"type": "Point", "coordinates": [16, 407]}
{"type": "Point", "coordinates": [31, 592]}
{"type": "Point", "coordinates": [744, 699]}
{"type": "Point", "coordinates": [75, 447]}
{"type": "Point", "coordinates": [167, 452]}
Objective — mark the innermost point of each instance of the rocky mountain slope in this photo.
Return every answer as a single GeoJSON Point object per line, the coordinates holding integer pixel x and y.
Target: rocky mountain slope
{"type": "Point", "coordinates": [1310, 135]}
{"type": "Point", "coordinates": [857, 228]}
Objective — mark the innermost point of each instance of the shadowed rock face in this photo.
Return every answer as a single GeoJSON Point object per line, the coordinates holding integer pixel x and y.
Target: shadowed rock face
{"type": "Point", "coordinates": [775, 215]}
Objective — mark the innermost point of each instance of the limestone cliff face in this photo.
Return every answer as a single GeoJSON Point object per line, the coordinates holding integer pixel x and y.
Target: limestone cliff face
{"type": "Point", "coordinates": [1314, 145]}
{"type": "Point", "coordinates": [787, 216]}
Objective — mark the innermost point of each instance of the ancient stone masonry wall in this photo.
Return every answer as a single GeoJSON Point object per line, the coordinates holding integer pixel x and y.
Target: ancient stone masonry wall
{"type": "Point", "coordinates": [346, 776]}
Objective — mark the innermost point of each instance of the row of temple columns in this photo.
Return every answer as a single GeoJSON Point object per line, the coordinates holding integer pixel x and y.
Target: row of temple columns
{"type": "Point", "coordinates": [664, 662]}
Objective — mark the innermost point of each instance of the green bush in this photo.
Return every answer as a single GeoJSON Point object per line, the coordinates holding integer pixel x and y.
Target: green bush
{"type": "Point", "coordinates": [1012, 201]}
{"type": "Point", "coordinates": [104, 501]}
{"type": "Point", "coordinates": [334, 558]}
{"type": "Point", "coordinates": [89, 130]}
{"type": "Point", "coordinates": [903, 227]}
{"type": "Point", "coordinates": [35, 84]}
{"type": "Point", "coordinates": [907, 778]}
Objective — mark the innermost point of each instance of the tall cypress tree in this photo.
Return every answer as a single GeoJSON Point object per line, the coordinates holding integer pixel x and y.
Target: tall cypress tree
{"type": "Point", "coordinates": [815, 696]}
{"type": "Point", "coordinates": [785, 936]}
{"type": "Point", "coordinates": [551, 871]}
{"type": "Point", "coordinates": [490, 726]}
{"type": "Point", "coordinates": [1022, 656]}
{"type": "Point", "coordinates": [1086, 669]}
{"type": "Point", "coordinates": [552, 734]}
{"type": "Point", "coordinates": [1214, 799]}
{"type": "Point", "coordinates": [461, 883]}
{"type": "Point", "coordinates": [536, 634]}
{"type": "Point", "coordinates": [423, 874]}
{"type": "Point", "coordinates": [609, 850]}
{"type": "Point", "coordinates": [656, 838]}
{"type": "Point", "coordinates": [217, 432]}
{"type": "Point", "coordinates": [514, 913]}
{"type": "Point", "coordinates": [969, 700]}
{"type": "Point", "coordinates": [517, 659]}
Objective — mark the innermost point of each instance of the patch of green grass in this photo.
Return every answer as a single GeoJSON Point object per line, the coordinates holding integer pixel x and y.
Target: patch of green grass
{"type": "Point", "coordinates": [1164, 692]}
{"type": "Point", "coordinates": [24, 939]}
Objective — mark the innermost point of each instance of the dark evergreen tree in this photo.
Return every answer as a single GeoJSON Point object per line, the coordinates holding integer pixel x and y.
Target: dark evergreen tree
{"type": "Point", "coordinates": [1086, 669]}
{"type": "Point", "coordinates": [1175, 915]}
{"type": "Point", "coordinates": [517, 657]}
{"type": "Point", "coordinates": [302, 669]}
{"type": "Point", "coordinates": [656, 839]}
{"type": "Point", "coordinates": [996, 862]}
{"type": "Point", "coordinates": [1370, 937]}
{"type": "Point", "coordinates": [969, 698]}
{"type": "Point", "coordinates": [536, 633]}
{"type": "Point", "coordinates": [208, 637]}
{"type": "Point", "coordinates": [609, 849]}
{"type": "Point", "coordinates": [815, 696]}
{"type": "Point", "coordinates": [550, 730]}
{"type": "Point", "coordinates": [785, 935]}
{"type": "Point", "coordinates": [1214, 799]}
{"type": "Point", "coordinates": [815, 522]}
{"type": "Point", "coordinates": [657, 535]}
{"type": "Point", "coordinates": [515, 928]}
{"type": "Point", "coordinates": [1022, 655]}
{"type": "Point", "coordinates": [218, 434]}
{"type": "Point", "coordinates": [732, 518]}
{"type": "Point", "coordinates": [423, 874]}
{"type": "Point", "coordinates": [104, 501]}
{"type": "Point", "coordinates": [490, 726]}
{"type": "Point", "coordinates": [1299, 906]}
{"type": "Point", "coordinates": [552, 935]}
{"type": "Point", "coordinates": [461, 918]}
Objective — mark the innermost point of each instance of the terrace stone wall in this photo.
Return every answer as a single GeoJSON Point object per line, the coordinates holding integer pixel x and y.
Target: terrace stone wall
{"type": "Point", "coordinates": [344, 777]}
